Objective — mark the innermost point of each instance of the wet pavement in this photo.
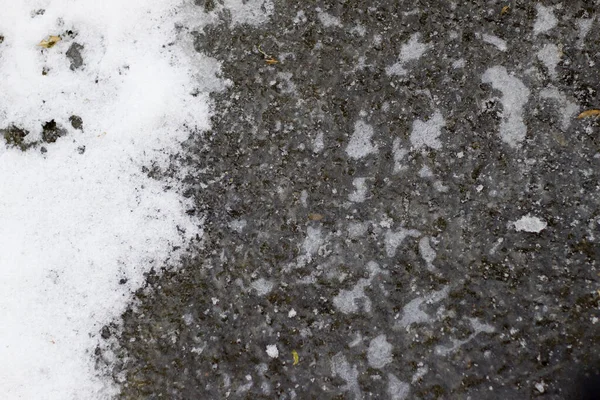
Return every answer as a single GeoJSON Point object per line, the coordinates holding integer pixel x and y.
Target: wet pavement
{"type": "Point", "coordinates": [399, 201]}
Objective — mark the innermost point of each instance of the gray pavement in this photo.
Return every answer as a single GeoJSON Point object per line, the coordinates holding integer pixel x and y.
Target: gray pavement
{"type": "Point", "coordinates": [400, 202]}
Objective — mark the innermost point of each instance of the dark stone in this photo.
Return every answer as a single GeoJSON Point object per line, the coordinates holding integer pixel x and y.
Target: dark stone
{"type": "Point", "coordinates": [74, 55]}
{"type": "Point", "coordinates": [15, 137]}
{"type": "Point", "coordinates": [51, 131]}
{"type": "Point", "coordinates": [76, 122]}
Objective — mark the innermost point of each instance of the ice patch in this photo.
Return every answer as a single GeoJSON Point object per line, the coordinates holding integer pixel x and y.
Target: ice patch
{"type": "Point", "coordinates": [347, 300]}
{"type": "Point", "coordinates": [427, 133]}
{"type": "Point", "coordinates": [550, 56]}
{"type": "Point", "coordinates": [478, 327]}
{"type": "Point", "coordinates": [349, 373]}
{"type": "Point", "coordinates": [494, 40]}
{"type": "Point", "coordinates": [545, 19]}
{"type": "Point", "coordinates": [379, 353]}
{"type": "Point", "coordinates": [584, 28]}
{"type": "Point", "coordinates": [357, 229]}
{"type": "Point", "coordinates": [313, 241]}
{"type": "Point", "coordinates": [360, 144]}
{"type": "Point", "coordinates": [530, 224]}
{"type": "Point", "coordinates": [251, 12]}
{"type": "Point", "coordinates": [318, 143]}
{"type": "Point", "coordinates": [327, 19]}
{"type": "Point", "coordinates": [425, 172]}
{"type": "Point", "coordinates": [397, 389]}
{"type": "Point", "coordinates": [410, 51]}
{"type": "Point", "coordinates": [568, 109]}
{"type": "Point", "coordinates": [412, 313]}
{"type": "Point", "coordinates": [359, 195]}
{"type": "Point", "coordinates": [262, 286]}
{"type": "Point", "coordinates": [427, 253]}
{"type": "Point", "coordinates": [394, 239]}
{"type": "Point", "coordinates": [399, 153]}
{"type": "Point", "coordinates": [514, 97]}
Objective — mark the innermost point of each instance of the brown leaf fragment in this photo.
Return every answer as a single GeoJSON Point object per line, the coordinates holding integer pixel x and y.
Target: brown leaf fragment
{"type": "Point", "coordinates": [271, 61]}
{"type": "Point", "coordinates": [50, 42]}
{"type": "Point", "coordinates": [589, 113]}
{"type": "Point", "coordinates": [504, 10]}
{"type": "Point", "coordinates": [315, 217]}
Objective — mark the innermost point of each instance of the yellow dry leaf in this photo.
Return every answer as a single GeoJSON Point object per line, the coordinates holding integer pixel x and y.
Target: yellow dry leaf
{"type": "Point", "coordinates": [52, 40]}
{"type": "Point", "coordinates": [589, 113]}
{"type": "Point", "coordinates": [296, 357]}
{"type": "Point", "coordinates": [504, 10]}
{"type": "Point", "coordinates": [315, 217]}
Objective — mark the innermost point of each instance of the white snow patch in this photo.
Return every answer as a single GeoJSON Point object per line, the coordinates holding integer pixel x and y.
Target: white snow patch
{"type": "Point", "coordinates": [550, 55]}
{"type": "Point", "coordinates": [360, 144]}
{"type": "Point", "coordinates": [251, 12]}
{"type": "Point", "coordinates": [584, 24]}
{"type": "Point", "coordinates": [73, 223]}
{"type": "Point", "coordinates": [425, 172]}
{"type": "Point", "coordinates": [460, 63]}
{"type": "Point", "coordinates": [357, 229]}
{"type": "Point", "coordinates": [272, 351]}
{"type": "Point", "coordinates": [379, 353]}
{"type": "Point", "coordinates": [545, 20]}
{"type": "Point", "coordinates": [410, 51]}
{"type": "Point", "coordinates": [514, 97]}
{"type": "Point", "coordinates": [427, 133]}
{"type": "Point", "coordinates": [262, 286]}
{"type": "Point", "coordinates": [397, 389]}
{"type": "Point", "coordinates": [530, 224]}
{"type": "Point", "coordinates": [327, 19]}
{"type": "Point", "coordinates": [313, 241]}
{"type": "Point", "coordinates": [318, 143]}
{"type": "Point", "coordinates": [494, 40]}
{"type": "Point", "coordinates": [360, 193]}
{"type": "Point", "coordinates": [349, 373]}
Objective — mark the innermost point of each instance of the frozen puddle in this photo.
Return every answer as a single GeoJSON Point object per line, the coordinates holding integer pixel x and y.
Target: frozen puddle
{"type": "Point", "coordinates": [80, 220]}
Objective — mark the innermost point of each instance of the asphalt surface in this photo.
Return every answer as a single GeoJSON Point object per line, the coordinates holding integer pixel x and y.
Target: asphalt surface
{"type": "Point", "coordinates": [399, 202]}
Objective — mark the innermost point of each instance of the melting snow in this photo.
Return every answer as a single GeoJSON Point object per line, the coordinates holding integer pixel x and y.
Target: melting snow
{"type": "Point", "coordinates": [360, 143]}
{"type": "Point", "coordinates": [410, 51]}
{"type": "Point", "coordinates": [530, 224]}
{"type": "Point", "coordinates": [427, 133]}
{"type": "Point", "coordinates": [82, 218]}
{"type": "Point", "coordinates": [545, 20]}
{"type": "Point", "coordinates": [514, 97]}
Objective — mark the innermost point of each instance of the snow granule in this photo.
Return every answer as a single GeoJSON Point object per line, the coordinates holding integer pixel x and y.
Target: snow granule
{"type": "Point", "coordinates": [272, 351]}
{"type": "Point", "coordinates": [530, 224]}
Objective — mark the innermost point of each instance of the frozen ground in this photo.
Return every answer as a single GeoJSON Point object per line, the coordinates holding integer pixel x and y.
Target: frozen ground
{"type": "Point", "coordinates": [269, 199]}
